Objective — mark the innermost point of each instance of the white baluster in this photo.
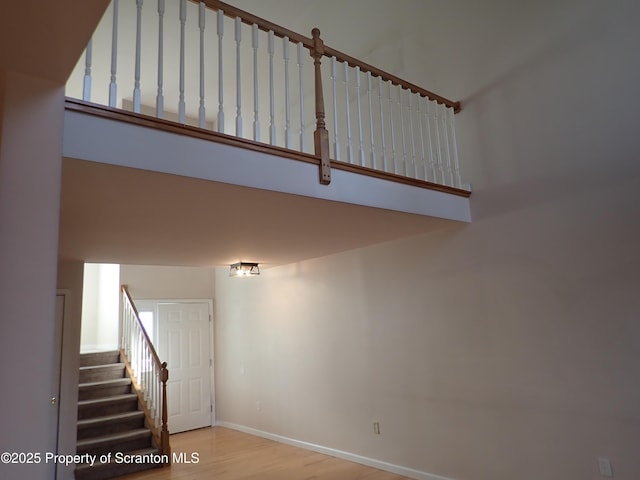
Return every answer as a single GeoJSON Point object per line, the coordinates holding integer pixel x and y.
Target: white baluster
{"type": "Point", "coordinates": [287, 128]}
{"type": "Point", "coordinates": [183, 20]}
{"type": "Point", "coordinates": [336, 140]}
{"type": "Point", "coordinates": [360, 140]}
{"type": "Point", "coordinates": [300, 75]}
{"type": "Point", "coordinates": [160, 94]}
{"type": "Point", "coordinates": [202, 113]}
{"type": "Point", "coordinates": [238, 79]}
{"type": "Point", "coordinates": [256, 118]}
{"type": "Point", "coordinates": [136, 82]}
{"type": "Point", "coordinates": [113, 86]}
{"type": "Point", "coordinates": [86, 88]}
{"type": "Point", "coordinates": [394, 161]}
{"type": "Point", "coordinates": [413, 142]}
{"type": "Point", "coordinates": [447, 150]}
{"type": "Point", "coordinates": [404, 143]}
{"type": "Point", "coordinates": [220, 90]}
{"type": "Point", "coordinates": [272, 107]}
{"type": "Point", "coordinates": [346, 90]}
{"type": "Point", "coordinates": [454, 143]}
{"type": "Point", "coordinates": [373, 148]}
{"type": "Point", "coordinates": [422, 150]}
{"type": "Point", "coordinates": [432, 159]}
{"type": "Point", "coordinates": [382, 130]}
{"type": "Point", "coordinates": [147, 373]}
{"type": "Point", "coordinates": [436, 120]}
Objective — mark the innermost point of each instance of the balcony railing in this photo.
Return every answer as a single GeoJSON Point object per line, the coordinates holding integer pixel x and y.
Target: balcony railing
{"type": "Point", "coordinates": [213, 66]}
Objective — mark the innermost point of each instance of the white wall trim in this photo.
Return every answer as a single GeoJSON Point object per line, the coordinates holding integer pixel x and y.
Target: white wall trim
{"type": "Point", "coordinates": [352, 457]}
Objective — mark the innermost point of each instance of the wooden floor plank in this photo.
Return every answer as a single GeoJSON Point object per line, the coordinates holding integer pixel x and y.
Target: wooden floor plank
{"type": "Point", "coordinates": [226, 454]}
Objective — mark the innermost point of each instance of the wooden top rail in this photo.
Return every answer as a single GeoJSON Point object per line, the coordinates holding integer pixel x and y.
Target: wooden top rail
{"type": "Point", "coordinates": [156, 359]}
{"type": "Point", "coordinates": [376, 72]}
{"type": "Point", "coordinates": [265, 25]}
{"type": "Point", "coordinates": [308, 42]}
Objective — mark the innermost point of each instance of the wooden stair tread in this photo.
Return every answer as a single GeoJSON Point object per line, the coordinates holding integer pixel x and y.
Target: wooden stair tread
{"type": "Point", "coordinates": [114, 437]}
{"type": "Point", "coordinates": [105, 366]}
{"type": "Point", "coordinates": [106, 383]}
{"type": "Point", "coordinates": [108, 400]}
{"type": "Point", "coordinates": [107, 418]}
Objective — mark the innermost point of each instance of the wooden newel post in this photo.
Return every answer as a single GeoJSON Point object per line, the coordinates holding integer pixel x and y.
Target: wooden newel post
{"type": "Point", "coordinates": [321, 135]}
{"type": "Point", "coordinates": [164, 434]}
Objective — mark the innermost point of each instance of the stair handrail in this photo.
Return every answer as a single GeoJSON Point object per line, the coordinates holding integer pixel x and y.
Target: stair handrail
{"type": "Point", "coordinates": [442, 168]}
{"type": "Point", "coordinates": [402, 132]}
{"type": "Point", "coordinates": [148, 373]}
{"type": "Point", "coordinates": [309, 43]}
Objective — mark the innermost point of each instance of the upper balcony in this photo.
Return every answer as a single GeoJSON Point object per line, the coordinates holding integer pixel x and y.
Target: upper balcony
{"type": "Point", "coordinates": [208, 91]}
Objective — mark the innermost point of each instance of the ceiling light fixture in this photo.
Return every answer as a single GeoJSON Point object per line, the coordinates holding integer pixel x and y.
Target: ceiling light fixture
{"type": "Point", "coordinates": [244, 269]}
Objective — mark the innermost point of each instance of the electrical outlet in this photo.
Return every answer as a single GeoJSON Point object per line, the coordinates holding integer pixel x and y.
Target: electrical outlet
{"type": "Point", "coordinates": [605, 467]}
{"type": "Point", "coordinates": [376, 428]}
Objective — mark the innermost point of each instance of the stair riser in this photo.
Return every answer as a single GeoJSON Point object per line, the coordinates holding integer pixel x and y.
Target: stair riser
{"type": "Point", "coordinates": [99, 358]}
{"type": "Point", "coordinates": [103, 373]}
{"type": "Point", "coordinates": [93, 411]}
{"type": "Point", "coordinates": [102, 472]}
{"type": "Point", "coordinates": [110, 427]}
{"type": "Point", "coordinates": [102, 392]}
{"type": "Point", "coordinates": [121, 446]}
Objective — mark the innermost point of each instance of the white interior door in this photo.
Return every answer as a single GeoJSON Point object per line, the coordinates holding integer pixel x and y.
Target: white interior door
{"type": "Point", "coordinates": [183, 342]}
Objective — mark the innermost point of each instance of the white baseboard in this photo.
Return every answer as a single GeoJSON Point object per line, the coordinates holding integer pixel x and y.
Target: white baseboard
{"type": "Point", "coordinates": [352, 457]}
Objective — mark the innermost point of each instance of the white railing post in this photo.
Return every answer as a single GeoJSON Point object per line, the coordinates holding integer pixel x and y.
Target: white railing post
{"type": "Point", "coordinates": [402, 132]}
{"type": "Point", "coordinates": [86, 87]}
{"type": "Point", "coordinates": [256, 117]}
{"type": "Point", "coordinates": [393, 133]}
{"type": "Point", "coordinates": [238, 79]}
{"type": "Point", "coordinates": [421, 128]}
{"type": "Point", "coordinates": [456, 161]}
{"type": "Point", "coordinates": [220, 77]}
{"type": "Point", "coordinates": [300, 75]}
{"type": "Point", "coordinates": [436, 120]}
{"type": "Point", "coordinates": [160, 94]}
{"type": "Point", "coordinates": [348, 107]}
{"type": "Point", "coordinates": [181, 103]}
{"type": "Point", "coordinates": [432, 159]}
{"type": "Point", "coordinates": [202, 116]}
{"type": "Point", "coordinates": [358, 104]}
{"type": "Point", "coordinates": [413, 142]}
{"type": "Point", "coordinates": [446, 142]}
{"type": "Point", "coordinates": [113, 86]}
{"type": "Point", "coordinates": [336, 138]}
{"type": "Point", "coordinates": [287, 123]}
{"type": "Point", "coordinates": [382, 130]}
{"type": "Point", "coordinates": [272, 107]}
{"type": "Point", "coordinates": [374, 164]}
{"type": "Point", "coordinates": [136, 81]}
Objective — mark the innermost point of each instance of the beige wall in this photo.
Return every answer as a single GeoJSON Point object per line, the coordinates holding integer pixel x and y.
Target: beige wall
{"type": "Point", "coordinates": [503, 349]}
{"type": "Point", "coordinates": [100, 307]}
{"type": "Point", "coordinates": [30, 165]}
{"type": "Point", "coordinates": [172, 283]}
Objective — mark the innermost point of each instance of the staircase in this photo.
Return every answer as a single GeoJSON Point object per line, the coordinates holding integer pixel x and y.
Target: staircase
{"type": "Point", "coordinates": [110, 423]}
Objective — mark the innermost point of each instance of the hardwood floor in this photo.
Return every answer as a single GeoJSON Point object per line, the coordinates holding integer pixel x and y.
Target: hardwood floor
{"type": "Point", "coordinates": [226, 454]}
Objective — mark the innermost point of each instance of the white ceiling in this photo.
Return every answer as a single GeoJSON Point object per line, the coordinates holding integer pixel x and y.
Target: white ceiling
{"type": "Point", "coordinates": [116, 214]}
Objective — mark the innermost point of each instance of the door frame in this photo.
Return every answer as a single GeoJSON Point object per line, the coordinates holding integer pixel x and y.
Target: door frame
{"type": "Point", "coordinates": [64, 384]}
{"type": "Point", "coordinates": [152, 303]}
